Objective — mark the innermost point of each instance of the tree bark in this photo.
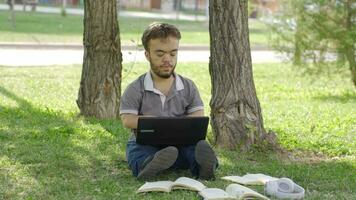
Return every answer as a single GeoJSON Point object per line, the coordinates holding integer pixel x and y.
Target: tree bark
{"type": "Point", "coordinates": [100, 86]}
{"type": "Point", "coordinates": [236, 116]}
{"type": "Point", "coordinates": [350, 50]}
{"type": "Point", "coordinates": [297, 58]}
{"type": "Point", "coordinates": [12, 16]}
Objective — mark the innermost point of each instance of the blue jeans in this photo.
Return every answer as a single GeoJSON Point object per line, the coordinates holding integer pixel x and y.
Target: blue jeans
{"type": "Point", "coordinates": [136, 154]}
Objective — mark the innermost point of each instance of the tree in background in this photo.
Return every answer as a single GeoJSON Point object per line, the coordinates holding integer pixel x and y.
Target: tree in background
{"type": "Point", "coordinates": [314, 30]}
{"type": "Point", "coordinates": [236, 116]}
{"type": "Point", "coordinates": [11, 4]}
{"type": "Point", "coordinates": [100, 86]}
{"type": "Point", "coordinates": [64, 8]}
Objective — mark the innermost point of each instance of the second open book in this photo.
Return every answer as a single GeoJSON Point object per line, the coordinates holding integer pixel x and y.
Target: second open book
{"type": "Point", "coordinates": [233, 191]}
{"type": "Point", "coordinates": [250, 179]}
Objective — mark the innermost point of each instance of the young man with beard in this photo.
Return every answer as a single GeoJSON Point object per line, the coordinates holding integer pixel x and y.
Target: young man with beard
{"type": "Point", "coordinates": [162, 92]}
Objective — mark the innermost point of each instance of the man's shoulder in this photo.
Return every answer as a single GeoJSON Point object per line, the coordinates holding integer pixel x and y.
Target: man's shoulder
{"type": "Point", "coordinates": [184, 79]}
{"type": "Point", "coordinates": [138, 83]}
{"type": "Point", "coordinates": [187, 82]}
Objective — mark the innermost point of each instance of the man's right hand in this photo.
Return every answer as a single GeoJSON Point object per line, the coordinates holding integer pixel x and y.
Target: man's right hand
{"type": "Point", "coordinates": [131, 120]}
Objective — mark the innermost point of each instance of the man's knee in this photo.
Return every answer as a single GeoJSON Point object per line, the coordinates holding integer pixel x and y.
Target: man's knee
{"type": "Point", "coordinates": [136, 154]}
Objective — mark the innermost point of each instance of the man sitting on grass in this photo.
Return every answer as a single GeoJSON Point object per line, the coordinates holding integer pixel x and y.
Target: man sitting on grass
{"type": "Point", "coordinates": [161, 92]}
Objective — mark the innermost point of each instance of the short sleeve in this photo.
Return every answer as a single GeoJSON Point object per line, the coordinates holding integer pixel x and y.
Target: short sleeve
{"type": "Point", "coordinates": [195, 101]}
{"type": "Point", "coordinates": [131, 100]}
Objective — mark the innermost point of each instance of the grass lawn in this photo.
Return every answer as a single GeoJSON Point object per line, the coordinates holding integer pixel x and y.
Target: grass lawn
{"type": "Point", "coordinates": [48, 152]}
{"type": "Point", "coordinates": [44, 28]}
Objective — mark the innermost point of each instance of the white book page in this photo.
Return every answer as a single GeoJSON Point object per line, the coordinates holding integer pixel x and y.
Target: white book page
{"type": "Point", "coordinates": [242, 180]}
{"type": "Point", "coordinates": [242, 192]}
{"type": "Point", "coordinates": [214, 194]}
{"type": "Point", "coordinates": [250, 179]}
{"type": "Point", "coordinates": [164, 186]}
{"type": "Point", "coordinates": [260, 177]}
{"type": "Point", "coordinates": [188, 183]}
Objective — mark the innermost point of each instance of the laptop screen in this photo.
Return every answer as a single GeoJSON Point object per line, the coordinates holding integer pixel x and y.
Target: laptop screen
{"type": "Point", "coordinates": [176, 131]}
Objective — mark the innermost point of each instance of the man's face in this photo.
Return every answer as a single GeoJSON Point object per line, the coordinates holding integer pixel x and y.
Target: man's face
{"type": "Point", "coordinates": [162, 55]}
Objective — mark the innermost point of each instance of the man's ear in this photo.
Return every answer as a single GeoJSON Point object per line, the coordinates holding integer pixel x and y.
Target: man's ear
{"type": "Point", "coordinates": [147, 55]}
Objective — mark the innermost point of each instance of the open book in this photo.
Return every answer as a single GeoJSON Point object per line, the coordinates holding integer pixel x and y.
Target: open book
{"type": "Point", "coordinates": [167, 186]}
{"type": "Point", "coordinates": [232, 191]}
{"type": "Point", "coordinates": [250, 179]}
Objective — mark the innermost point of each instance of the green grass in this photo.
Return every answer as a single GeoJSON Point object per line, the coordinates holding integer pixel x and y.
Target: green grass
{"type": "Point", "coordinates": [48, 152]}
{"type": "Point", "coordinates": [45, 28]}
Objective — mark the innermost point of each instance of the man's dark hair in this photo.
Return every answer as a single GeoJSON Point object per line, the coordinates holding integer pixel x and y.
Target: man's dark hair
{"type": "Point", "coordinates": [159, 30]}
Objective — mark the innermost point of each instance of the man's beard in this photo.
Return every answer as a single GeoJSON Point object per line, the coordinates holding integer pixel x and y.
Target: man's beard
{"type": "Point", "coordinates": [160, 73]}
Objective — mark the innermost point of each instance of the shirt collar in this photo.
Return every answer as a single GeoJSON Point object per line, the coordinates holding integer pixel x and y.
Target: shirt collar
{"type": "Point", "coordinates": [148, 82]}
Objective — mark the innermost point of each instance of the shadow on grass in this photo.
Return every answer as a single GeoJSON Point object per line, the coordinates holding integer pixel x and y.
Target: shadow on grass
{"type": "Point", "coordinates": [114, 127]}
{"type": "Point", "coordinates": [46, 155]}
{"type": "Point", "coordinates": [343, 98]}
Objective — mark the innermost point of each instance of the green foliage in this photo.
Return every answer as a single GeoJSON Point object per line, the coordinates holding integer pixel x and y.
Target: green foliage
{"type": "Point", "coordinates": [49, 152]}
{"type": "Point", "coordinates": [313, 32]}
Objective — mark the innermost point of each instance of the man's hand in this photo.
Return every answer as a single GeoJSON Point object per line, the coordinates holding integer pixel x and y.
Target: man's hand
{"type": "Point", "coordinates": [131, 120]}
{"type": "Point", "coordinates": [197, 113]}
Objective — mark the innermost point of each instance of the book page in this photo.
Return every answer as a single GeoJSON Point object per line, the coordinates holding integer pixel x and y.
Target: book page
{"type": "Point", "coordinates": [242, 192]}
{"type": "Point", "coordinates": [250, 179]}
{"type": "Point", "coordinates": [241, 180]}
{"type": "Point", "coordinates": [214, 194]}
{"type": "Point", "coordinates": [260, 177]}
{"type": "Point", "coordinates": [188, 183]}
{"type": "Point", "coordinates": [162, 186]}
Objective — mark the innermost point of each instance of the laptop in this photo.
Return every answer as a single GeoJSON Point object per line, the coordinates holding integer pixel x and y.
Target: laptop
{"type": "Point", "coordinates": [175, 131]}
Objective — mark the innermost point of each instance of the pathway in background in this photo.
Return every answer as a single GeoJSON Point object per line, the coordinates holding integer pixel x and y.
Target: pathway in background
{"type": "Point", "coordinates": [17, 54]}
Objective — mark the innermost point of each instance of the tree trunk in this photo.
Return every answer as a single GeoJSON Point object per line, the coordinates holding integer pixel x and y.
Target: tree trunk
{"type": "Point", "coordinates": [350, 50]}
{"type": "Point", "coordinates": [236, 116]}
{"type": "Point", "coordinates": [64, 8]}
{"type": "Point", "coordinates": [297, 57]}
{"type": "Point", "coordinates": [12, 16]}
{"type": "Point", "coordinates": [100, 86]}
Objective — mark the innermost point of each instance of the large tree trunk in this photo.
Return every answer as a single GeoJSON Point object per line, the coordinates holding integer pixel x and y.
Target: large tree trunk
{"type": "Point", "coordinates": [236, 116]}
{"type": "Point", "coordinates": [100, 86]}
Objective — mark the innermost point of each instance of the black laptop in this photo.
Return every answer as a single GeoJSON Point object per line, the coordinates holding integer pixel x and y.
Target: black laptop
{"type": "Point", "coordinates": [176, 131]}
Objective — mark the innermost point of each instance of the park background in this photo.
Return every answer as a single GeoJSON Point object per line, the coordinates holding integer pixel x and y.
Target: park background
{"type": "Point", "coordinates": [49, 152]}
